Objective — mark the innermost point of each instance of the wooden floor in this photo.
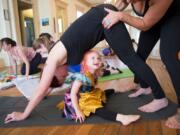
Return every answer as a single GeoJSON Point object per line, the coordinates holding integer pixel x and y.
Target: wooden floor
{"type": "Point", "coordinates": [138, 128]}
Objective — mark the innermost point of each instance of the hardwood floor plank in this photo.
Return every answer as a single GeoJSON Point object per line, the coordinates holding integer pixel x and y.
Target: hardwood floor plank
{"type": "Point", "coordinates": [112, 129]}
{"type": "Point", "coordinates": [84, 129]}
{"type": "Point", "coordinates": [98, 129]}
{"type": "Point", "coordinates": [140, 128]}
{"type": "Point", "coordinates": [166, 130]}
{"type": "Point", "coordinates": [126, 130]}
{"type": "Point", "coordinates": [154, 127]}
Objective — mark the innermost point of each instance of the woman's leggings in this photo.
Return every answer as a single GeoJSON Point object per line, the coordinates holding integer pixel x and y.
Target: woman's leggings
{"type": "Point", "coordinates": [104, 112]}
{"type": "Point", "coordinates": [119, 40]}
{"type": "Point", "coordinates": [167, 31]}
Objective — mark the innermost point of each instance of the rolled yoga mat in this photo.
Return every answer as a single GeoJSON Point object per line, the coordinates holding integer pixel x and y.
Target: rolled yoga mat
{"type": "Point", "coordinates": [46, 114]}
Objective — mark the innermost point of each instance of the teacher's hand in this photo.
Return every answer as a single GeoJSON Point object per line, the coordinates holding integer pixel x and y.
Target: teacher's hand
{"type": "Point", "coordinates": [112, 18]}
{"type": "Point", "coordinates": [14, 116]}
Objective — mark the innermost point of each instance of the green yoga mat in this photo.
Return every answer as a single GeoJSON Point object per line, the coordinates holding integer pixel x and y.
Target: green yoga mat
{"type": "Point", "coordinates": [46, 114]}
{"type": "Point", "coordinates": [125, 74]}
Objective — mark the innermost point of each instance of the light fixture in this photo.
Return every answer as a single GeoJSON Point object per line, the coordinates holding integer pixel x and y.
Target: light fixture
{"type": "Point", "coordinates": [110, 1]}
{"type": "Point", "coordinates": [107, 1]}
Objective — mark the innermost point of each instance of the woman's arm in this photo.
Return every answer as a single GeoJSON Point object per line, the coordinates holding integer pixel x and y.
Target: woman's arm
{"type": "Point", "coordinates": [13, 65]}
{"type": "Point", "coordinates": [25, 60]}
{"type": "Point", "coordinates": [156, 11]}
{"type": "Point", "coordinates": [54, 58]}
{"type": "Point", "coordinates": [74, 91]}
{"type": "Point", "coordinates": [42, 89]}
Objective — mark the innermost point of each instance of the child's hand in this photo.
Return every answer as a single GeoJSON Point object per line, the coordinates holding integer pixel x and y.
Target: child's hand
{"type": "Point", "coordinates": [80, 116]}
{"type": "Point", "coordinates": [14, 116]}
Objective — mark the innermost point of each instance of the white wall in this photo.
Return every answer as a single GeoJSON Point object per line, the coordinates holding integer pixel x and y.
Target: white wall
{"type": "Point", "coordinates": [5, 24]}
{"type": "Point", "coordinates": [155, 52]}
{"type": "Point", "coordinates": [72, 9]}
{"type": "Point", "coordinates": [134, 33]}
{"type": "Point", "coordinates": [13, 22]}
{"type": "Point", "coordinates": [5, 31]}
{"type": "Point", "coordinates": [45, 11]}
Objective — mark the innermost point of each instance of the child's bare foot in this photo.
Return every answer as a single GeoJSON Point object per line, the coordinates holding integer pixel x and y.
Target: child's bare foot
{"type": "Point", "coordinates": [155, 105]}
{"type": "Point", "coordinates": [174, 121]}
{"type": "Point", "coordinates": [141, 91]}
{"type": "Point", "coordinates": [127, 119]}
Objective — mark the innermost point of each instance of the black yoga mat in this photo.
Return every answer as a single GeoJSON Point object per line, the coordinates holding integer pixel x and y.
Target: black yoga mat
{"type": "Point", "coordinates": [46, 114]}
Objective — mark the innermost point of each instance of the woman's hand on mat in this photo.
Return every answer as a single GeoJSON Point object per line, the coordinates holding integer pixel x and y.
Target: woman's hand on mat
{"type": "Point", "coordinates": [80, 116]}
{"type": "Point", "coordinates": [14, 116]}
{"type": "Point", "coordinates": [112, 18]}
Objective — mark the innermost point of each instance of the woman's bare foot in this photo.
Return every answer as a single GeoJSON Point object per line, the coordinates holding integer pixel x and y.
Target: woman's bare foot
{"type": "Point", "coordinates": [127, 119]}
{"type": "Point", "coordinates": [174, 121]}
{"type": "Point", "coordinates": [136, 86]}
{"type": "Point", "coordinates": [155, 105]}
{"type": "Point", "coordinates": [141, 91]}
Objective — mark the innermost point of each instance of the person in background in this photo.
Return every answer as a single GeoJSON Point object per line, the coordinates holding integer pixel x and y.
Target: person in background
{"type": "Point", "coordinates": [26, 55]}
{"type": "Point", "coordinates": [49, 38]}
{"type": "Point", "coordinates": [41, 45]}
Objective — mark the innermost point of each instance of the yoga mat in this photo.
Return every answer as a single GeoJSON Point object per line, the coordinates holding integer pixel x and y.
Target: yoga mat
{"type": "Point", "coordinates": [125, 73]}
{"type": "Point", "coordinates": [46, 114]}
{"type": "Point", "coordinates": [18, 80]}
{"type": "Point", "coordinates": [28, 87]}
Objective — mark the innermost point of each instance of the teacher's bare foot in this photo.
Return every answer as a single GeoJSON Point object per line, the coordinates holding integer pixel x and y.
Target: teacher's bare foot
{"type": "Point", "coordinates": [141, 91]}
{"type": "Point", "coordinates": [174, 121]}
{"type": "Point", "coordinates": [155, 105]}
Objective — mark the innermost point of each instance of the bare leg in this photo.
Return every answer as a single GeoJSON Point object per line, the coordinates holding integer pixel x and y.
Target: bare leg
{"type": "Point", "coordinates": [136, 86]}
{"type": "Point", "coordinates": [174, 121]}
{"type": "Point", "coordinates": [155, 105]}
{"type": "Point", "coordinates": [127, 119]}
{"type": "Point", "coordinates": [141, 91]}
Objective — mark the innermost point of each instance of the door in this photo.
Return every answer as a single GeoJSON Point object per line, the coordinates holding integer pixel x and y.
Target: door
{"type": "Point", "coordinates": [26, 19]}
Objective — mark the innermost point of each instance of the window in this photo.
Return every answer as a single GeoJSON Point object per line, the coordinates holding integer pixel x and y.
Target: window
{"type": "Point", "coordinates": [79, 13]}
{"type": "Point", "coordinates": [60, 25]}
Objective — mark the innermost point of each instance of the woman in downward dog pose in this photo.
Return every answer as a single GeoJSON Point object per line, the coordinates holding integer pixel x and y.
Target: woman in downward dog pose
{"type": "Point", "coordinates": [27, 55]}
{"type": "Point", "coordinates": [76, 41]}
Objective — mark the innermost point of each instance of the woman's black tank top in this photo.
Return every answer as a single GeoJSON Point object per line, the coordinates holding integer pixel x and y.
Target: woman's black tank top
{"type": "Point", "coordinates": [145, 9]}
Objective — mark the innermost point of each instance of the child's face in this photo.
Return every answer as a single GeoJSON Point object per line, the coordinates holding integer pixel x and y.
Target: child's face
{"type": "Point", "coordinates": [93, 61]}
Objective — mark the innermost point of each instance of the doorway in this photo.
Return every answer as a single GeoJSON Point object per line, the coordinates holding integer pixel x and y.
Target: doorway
{"type": "Point", "coordinates": [61, 18]}
{"type": "Point", "coordinates": [26, 19]}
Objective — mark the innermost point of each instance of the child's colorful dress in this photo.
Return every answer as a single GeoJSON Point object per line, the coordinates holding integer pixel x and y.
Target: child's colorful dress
{"type": "Point", "coordinates": [89, 97]}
